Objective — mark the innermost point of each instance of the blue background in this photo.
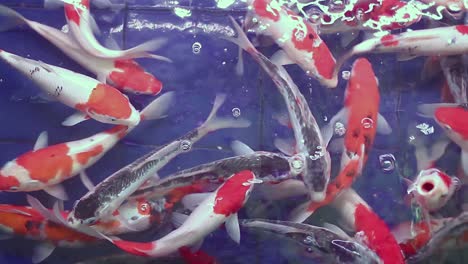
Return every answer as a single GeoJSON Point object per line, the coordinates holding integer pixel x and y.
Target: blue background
{"type": "Point", "coordinates": [196, 78]}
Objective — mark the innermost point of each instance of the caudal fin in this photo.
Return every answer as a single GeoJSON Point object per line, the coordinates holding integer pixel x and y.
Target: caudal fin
{"type": "Point", "coordinates": [158, 107]}
{"type": "Point", "coordinates": [13, 18]}
{"type": "Point", "coordinates": [142, 50]}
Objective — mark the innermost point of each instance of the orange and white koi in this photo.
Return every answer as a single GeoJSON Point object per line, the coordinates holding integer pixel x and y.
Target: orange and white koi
{"type": "Point", "coordinates": [28, 222]}
{"type": "Point", "coordinates": [217, 208]}
{"type": "Point", "coordinates": [362, 120]}
{"type": "Point", "coordinates": [433, 188]}
{"type": "Point", "coordinates": [90, 97]}
{"type": "Point", "coordinates": [297, 37]}
{"type": "Point", "coordinates": [82, 27]}
{"type": "Point", "coordinates": [371, 230]}
{"type": "Point", "coordinates": [124, 74]}
{"type": "Point", "coordinates": [453, 118]}
{"type": "Point", "coordinates": [46, 167]}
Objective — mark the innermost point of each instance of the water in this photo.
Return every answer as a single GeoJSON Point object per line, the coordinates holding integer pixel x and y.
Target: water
{"type": "Point", "coordinates": [203, 65]}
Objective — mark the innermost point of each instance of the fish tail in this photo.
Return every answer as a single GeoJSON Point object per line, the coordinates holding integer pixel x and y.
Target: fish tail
{"type": "Point", "coordinates": [241, 40]}
{"type": "Point", "coordinates": [213, 122]}
{"type": "Point", "coordinates": [142, 50]}
{"type": "Point", "coordinates": [158, 108]}
{"type": "Point", "coordinates": [14, 20]}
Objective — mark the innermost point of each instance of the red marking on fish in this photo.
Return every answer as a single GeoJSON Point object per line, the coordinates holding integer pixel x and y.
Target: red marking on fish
{"type": "Point", "coordinates": [83, 157]}
{"type": "Point", "coordinates": [116, 213]}
{"type": "Point", "coordinates": [455, 117]}
{"type": "Point", "coordinates": [447, 179]}
{"type": "Point", "coordinates": [462, 29]}
{"type": "Point", "coordinates": [132, 77]}
{"type": "Point", "coordinates": [198, 257]}
{"type": "Point", "coordinates": [6, 182]}
{"type": "Point", "coordinates": [230, 197]}
{"type": "Point", "coordinates": [144, 208]}
{"type": "Point", "coordinates": [413, 245]}
{"type": "Point", "coordinates": [108, 101]}
{"type": "Point", "coordinates": [135, 248]}
{"type": "Point", "coordinates": [175, 195]}
{"type": "Point", "coordinates": [379, 237]}
{"type": "Point", "coordinates": [47, 163]}
{"type": "Point", "coordinates": [389, 41]}
{"type": "Point", "coordinates": [73, 13]}
{"type": "Point", "coordinates": [263, 9]}
{"type": "Point", "coordinates": [119, 130]}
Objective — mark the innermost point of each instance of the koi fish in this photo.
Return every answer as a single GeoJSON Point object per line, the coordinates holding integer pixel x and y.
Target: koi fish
{"type": "Point", "coordinates": [108, 195]}
{"type": "Point", "coordinates": [454, 9]}
{"type": "Point", "coordinates": [311, 159]}
{"type": "Point", "coordinates": [329, 244]}
{"type": "Point", "coordinates": [45, 167]}
{"type": "Point", "coordinates": [433, 188]}
{"type": "Point", "coordinates": [297, 37]}
{"type": "Point", "coordinates": [267, 166]}
{"type": "Point", "coordinates": [453, 119]}
{"type": "Point", "coordinates": [371, 230]}
{"type": "Point", "coordinates": [219, 207]}
{"type": "Point", "coordinates": [362, 121]}
{"type": "Point", "coordinates": [454, 232]}
{"type": "Point", "coordinates": [91, 98]}
{"type": "Point", "coordinates": [28, 222]}
{"type": "Point", "coordinates": [198, 257]}
{"type": "Point", "coordinates": [82, 27]}
{"type": "Point", "coordinates": [441, 41]}
{"type": "Point", "coordinates": [126, 75]}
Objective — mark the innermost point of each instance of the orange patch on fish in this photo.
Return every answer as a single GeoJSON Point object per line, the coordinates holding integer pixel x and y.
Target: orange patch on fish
{"type": "Point", "coordinates": [108, 101]}
{"type": "Point", "coordinates": [231, 195]}
{"type": "Point", "coordinates": [463, 29]}
{"type": "Point", "coordinates": [6, 182]}
{"type": "Point", "coordinates": [131, 77]}
{"type": "Point", "coordinates": [83, 157]}
{"type": "Point", "coordinates": [47, 163]}
{"type": "Point", "coordinates": [455, 117]}
{"type": "Point", "coordinates": [263, 9]}
{"type": "Point", "coordinates": [57, 233]}
{"type": "Point", "coordinates": [389, 41]}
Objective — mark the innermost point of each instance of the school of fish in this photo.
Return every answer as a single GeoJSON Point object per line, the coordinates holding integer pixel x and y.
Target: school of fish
{"type": "Point", "coordinates": [316, 168]}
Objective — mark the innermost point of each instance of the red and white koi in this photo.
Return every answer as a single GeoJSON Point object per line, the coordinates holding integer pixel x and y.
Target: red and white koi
{"type": "Point", "coordinates": [45, 167]}
{"type": "Point", "coordinates": [92, 98]}
{"type": "Point", "coordinates": [28, 222]}
{"type": "Point", "coordinates": [441, 41]}
{"type": "Point", "coordinates": [219, 207]}
{"type": "Point", "coordinates": [453, 118]}
{"type": "Point", "coordinates": [82, 27]}
{"type": "Point", "coordinates": [126, 75]}
{"type": "Point", "coordinates": [311, 160]}
{"type": "Point", "coordinates": [371, 230]}
{"type": "Point", "coordinates": [297, 37]}
{"type": "Point", "coordinates": [433, 188]}
{"type": "Point", "coordinates": [362, 121]}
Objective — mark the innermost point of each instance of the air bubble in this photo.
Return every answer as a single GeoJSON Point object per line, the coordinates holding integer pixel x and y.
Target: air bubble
{"type": "Point", "coordinates": [314, 15]}
{"type": "Point", "coordinates": [236, 112]}
{"type": "Point", "coordinates": [425, 128]}
{"type": "Point", "coordinates": [367, 122]}
{"type": "Point", "coordinates": [196, 47]}
{"type": "Point", "coordinates": [345, 75]}
{"type": "Point", "coordinates": [340, 129]}
{"type": "Point", "coordinates": [185, 145]}
{"type": "Point", "coordinates": [224, 63]}
{"type": "Point", "coordinates": [387, 162]}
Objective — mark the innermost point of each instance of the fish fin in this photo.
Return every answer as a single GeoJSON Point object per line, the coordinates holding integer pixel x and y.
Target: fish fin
{"type": "Point", "coordinates": [464, 161]}
{"type": "Point", "coordinates": [300, 213]}
{"type": "Point", "coordinates": [240, 63]}
{"type": "Point", "coordinates": [142, 50]}
{"type": "Point", "coordinates": [178, 219]}
{"type": "Point", "coordinates": [15, 18]}
{"type": "Point", "coordinates": [232, 227]}
{"type": "Point", "coordinates": [75, 118]}
{"type": "Point", "coordinates": [42, 251]}
{"type": "Point", "coordinates": [102, 77]}
{"type": "Point", "coordinates": [197, 245]}
{"type": "Point", "coordinates": [405, 57]}
{"type": "Point", "coordinates": [102, 4]}
{"type": "Point", "coordinates": [38, 206]}
{"type": "Point", "coordinates": [54, 4]}
{"type": "Point", "coordinates": [57, 191]}
{"type": "Point", "coordinates": [6, 236]}
{"type": "Point", "coordinates": [241, 40]}
{"type": "Point", "coordinates": [240, 148]}
{"type": "Point", "coordinates": [382, 125]}
{"type": "Point", "coordinates": [281, 58]}
{"type": "Point", "coordinates": [285, 146]}
{"type": "Point", "coordinates": [41, 141]}
{"type": "Point", "coordinates": [15, 211]}
{"type": "Point", "coordinates": [111, 43]}
{"type": "Point", "coordinates": [282, 118]}
{"type": "Point", "coordinates": [348, 37]}
{"type": "Point", "coordinates": [158, 107]}
{"type": "Point", "coordinates": [428, 110]}
{"type": "Point", "coordinates": [193, 200]}
{"type": "Point", "coordinates": [86, 181]}
{"type": "Point", "coordinates": [94, 26]}
{"type": "Point", "coordinates": [46, 97]}
{"type": "Point", "coordinates": [336, 145]}
{"type": "Point", "coordinates": [214, 123]}
{"type": "Point", "coordinates": [345, 159]}
{"type": "Point", "coordinates": [329, 129]}
{"type": "Point", "coordinates": [335, 229]}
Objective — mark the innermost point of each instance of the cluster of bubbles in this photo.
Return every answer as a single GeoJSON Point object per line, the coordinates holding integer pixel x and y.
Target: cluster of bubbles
{"type": "Point", "coordinates": [185, 145]}
{"type": "Point", "coordinates": [236, 112]}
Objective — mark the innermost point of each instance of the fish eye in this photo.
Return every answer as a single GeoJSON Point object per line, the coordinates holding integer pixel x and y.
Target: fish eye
{"type": "Point", "coordinates": [134, 218]}
{"type": "Point", "coordinates": [113, 119]}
